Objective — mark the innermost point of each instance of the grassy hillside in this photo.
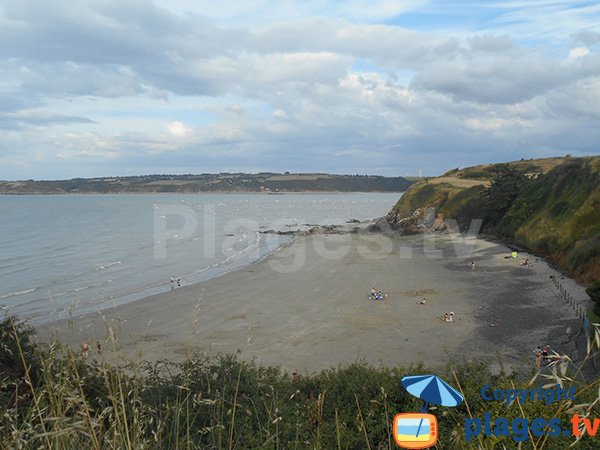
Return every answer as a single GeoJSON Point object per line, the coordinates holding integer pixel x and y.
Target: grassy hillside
{"type": "Point", "coordinates": [549, 206]}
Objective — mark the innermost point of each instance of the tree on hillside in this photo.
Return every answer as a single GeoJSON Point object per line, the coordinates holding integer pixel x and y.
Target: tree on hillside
{"type": "Point", "coordinates": [501, 194]}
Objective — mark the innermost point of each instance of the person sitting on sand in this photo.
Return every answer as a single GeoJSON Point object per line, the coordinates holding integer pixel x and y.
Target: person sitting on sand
{"type": "Point", "coordinates": [85, 349]}
{"type": "Point", "coordinates": [451, 317]}
{"type": "Point", "coordinates": [446, 317]}
{"type": "Point", "coordinates": [379, 296]}
{"type": "Point", "coordinates": [472, 265]}
{"type": "Point", "coordinates": [545, 353]}
{"type": "Point", "coordinates": [373, 293]}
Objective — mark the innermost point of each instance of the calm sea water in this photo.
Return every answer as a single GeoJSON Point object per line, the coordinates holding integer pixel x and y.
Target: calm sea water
{"type": "Point", "coordinates": [68, 255]}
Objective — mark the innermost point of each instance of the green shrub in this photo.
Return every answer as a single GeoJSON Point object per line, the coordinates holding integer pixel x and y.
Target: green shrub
{"type": "Point", "coordinates": [593, 291]}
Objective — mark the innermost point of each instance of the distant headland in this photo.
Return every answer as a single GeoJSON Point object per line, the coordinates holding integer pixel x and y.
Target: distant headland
{"type": "Point", "coordinates": [206, 182]}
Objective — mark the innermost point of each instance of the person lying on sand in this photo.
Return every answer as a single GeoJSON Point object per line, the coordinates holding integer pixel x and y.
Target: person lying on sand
{"type": "Point", "coordinates": [422, 302]}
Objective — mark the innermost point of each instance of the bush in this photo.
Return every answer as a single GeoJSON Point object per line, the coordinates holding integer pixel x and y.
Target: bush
{"type": "Point", "coordinates": [593, 291]}
{"type": "Point", "coordinates": [223, 402]}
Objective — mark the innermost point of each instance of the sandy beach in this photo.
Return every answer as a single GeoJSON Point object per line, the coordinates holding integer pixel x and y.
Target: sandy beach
{"type": "Point", "coordinates": [306, 307]}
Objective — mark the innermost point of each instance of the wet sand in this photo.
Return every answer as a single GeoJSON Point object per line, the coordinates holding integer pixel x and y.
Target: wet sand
{"type": "Point", "coordinates": [305, 307]}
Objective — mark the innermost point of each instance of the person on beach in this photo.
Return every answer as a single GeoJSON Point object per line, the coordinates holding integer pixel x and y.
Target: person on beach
{"type": "Point", "coordinates": [178, 282]}
{"type": "Point", "coordinates": [99, 347]}
{"type": "Point", "coordinates": [172, 282]}
{"type": "Point", "coordinates": [472, 265]}
{"type": "Point", "coordinates": [85, 349]}
{"type": "Point", "coordinates": [538, 356]}
{"type": "Point", "coordinates": [446, 317]}
{"type": "Point", "coordinates": [422, 301]}
{"type": "Point", "coordinates": [373, 293]}
{"type": "Point", "coordinates": [545, 354]}
{"type": "Point", "coordinates": [451, 317]}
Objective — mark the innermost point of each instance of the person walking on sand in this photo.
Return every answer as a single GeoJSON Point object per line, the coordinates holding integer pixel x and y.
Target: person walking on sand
{"type": "Point", "coordinates": [472, 265]}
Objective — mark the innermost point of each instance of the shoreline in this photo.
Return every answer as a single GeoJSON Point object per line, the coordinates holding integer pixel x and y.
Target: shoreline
{"type": "Point", "coordinates": [15, 194]}
{"type": "Point", "coordinates": [317, 316]}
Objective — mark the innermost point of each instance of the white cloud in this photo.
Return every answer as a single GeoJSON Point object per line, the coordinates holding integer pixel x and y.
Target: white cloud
{"type": "Point", "coordinates": [578, 52]}
{"type": "Point", "coordinates": [178, 129]}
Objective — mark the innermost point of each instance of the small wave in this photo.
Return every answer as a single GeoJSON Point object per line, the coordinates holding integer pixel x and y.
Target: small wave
{"type": "Point", "coordinates": [110, 264]}
{"type": "Point", "coordinates": [15, 294]}
{"type": "Point", "coordinates": [71, 291]}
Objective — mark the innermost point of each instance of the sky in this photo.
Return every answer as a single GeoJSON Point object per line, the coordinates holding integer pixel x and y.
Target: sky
{"type": "Point", "coordinates": [381, 87]}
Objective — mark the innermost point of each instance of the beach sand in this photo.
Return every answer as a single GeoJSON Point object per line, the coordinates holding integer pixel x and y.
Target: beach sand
{"type": "Point", "coordinates": [305, 308]}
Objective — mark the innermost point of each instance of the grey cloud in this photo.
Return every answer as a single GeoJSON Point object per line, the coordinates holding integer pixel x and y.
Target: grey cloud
{"type": "Point", "coordinates": [490, 43]}
{"type": "Point", "coordinates": [22, 119]}
{"type": "Point", "coordinates": [587, 37]}
{"type": "Point", "coordinates": [502, 80]}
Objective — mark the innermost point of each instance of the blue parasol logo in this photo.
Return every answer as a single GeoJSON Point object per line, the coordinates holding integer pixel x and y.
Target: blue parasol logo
{"type": "Point", "coordinates": [419, 430]}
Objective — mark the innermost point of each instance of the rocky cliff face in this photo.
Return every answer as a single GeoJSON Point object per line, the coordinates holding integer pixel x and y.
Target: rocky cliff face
{"type": "Point", "coordinates": [554, 211]}
{"type": "Point", "coordinates": [422, 220]}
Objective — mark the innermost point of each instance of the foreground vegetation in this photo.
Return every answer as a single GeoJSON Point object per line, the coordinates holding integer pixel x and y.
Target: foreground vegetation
{"type": "Point", "coordinates": [550, 207]}
{"type": "Point", "coordinates": [54, 398]}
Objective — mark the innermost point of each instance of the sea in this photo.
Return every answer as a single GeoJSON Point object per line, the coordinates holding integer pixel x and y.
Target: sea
{"type": "Point", "coordinates": [66, 255]}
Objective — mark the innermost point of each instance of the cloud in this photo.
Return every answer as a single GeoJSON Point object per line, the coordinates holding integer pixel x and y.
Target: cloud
{"type": "Point", "coordinates": [39, 119]}
{"type": "Point", "coordinates": [110, 87]}
{"type": "Point", "coordinates": [178, 129]}
{"type": "Point", "coordinates": [578, 52]}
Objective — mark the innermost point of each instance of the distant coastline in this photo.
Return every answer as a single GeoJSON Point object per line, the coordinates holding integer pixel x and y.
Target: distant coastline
{"type": "Point", "coordinates": [236, 183]}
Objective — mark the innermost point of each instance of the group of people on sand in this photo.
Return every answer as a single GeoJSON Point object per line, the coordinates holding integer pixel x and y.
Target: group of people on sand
{"type": "Point", "coordinates": [173, 281]}
{"type": "Point", "coordinates": [85, 349]}
{"type": "Point", "coordinates": [543, 356]}
{"type": "Point", "coordinates": [448, 317]}
{"type": "Point", "coordinates": [376, 295]}
{"type": "Point", "coordinates": [526, 263]}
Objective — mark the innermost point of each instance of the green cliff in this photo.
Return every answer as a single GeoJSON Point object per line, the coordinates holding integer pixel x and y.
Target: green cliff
{"type": "Point", "coordinates": [549, 206]}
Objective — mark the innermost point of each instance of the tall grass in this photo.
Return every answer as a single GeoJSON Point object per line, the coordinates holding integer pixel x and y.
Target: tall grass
{"type": "Point", "coordinates": [55, 398]}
